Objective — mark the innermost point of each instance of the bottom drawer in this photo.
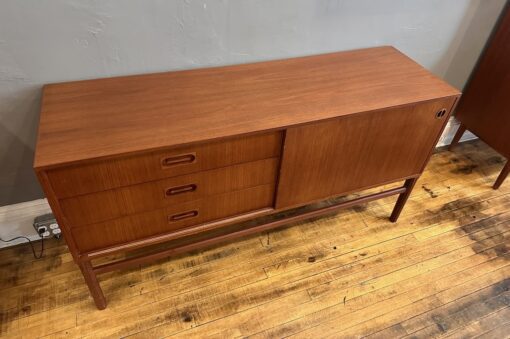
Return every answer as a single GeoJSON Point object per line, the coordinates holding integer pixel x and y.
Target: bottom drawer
{"type": "Point", "coordinates": [139, 226]}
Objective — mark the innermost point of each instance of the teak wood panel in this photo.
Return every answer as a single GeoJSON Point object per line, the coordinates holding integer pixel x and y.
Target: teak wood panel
{"type": "Point", "coordinates": [111, 204]}
{"type": "Point", "coordinates": [485, 107]}
{"type": "Point", "coordinates": [85, 120]}
{"type": "Point", "coordinates": [74, 180]}
{"type": "Point", "coordinates": [342, 155]}
{"type": "Point", "coordinates": [140, 226]}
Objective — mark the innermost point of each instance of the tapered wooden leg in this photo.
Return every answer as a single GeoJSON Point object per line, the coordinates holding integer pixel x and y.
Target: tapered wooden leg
{"type": "Point", "coordinates": [502, 176]}
{"type": "Point", "coordinates": [458, 135]}
{"type": "Point", "coordinates": [93, 284]}
{"type": "Point", "coordinates": [402, 199]}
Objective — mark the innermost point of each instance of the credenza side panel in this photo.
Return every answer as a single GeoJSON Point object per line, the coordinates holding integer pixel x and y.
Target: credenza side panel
{"type": "Point", "coordinates": [341, 155]}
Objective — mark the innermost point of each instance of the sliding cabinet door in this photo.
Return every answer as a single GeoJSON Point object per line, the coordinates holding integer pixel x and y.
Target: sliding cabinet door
{"type": "Point", "coordinates": [362, 150]}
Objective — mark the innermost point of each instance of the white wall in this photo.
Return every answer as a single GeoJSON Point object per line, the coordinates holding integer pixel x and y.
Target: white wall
{"type": "Point", "coordinates": [44, 41]}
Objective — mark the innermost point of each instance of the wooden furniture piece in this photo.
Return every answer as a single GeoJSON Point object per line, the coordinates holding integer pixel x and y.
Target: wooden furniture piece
{"type": "Point", "coordinates": [485, 107]}
{"type": "Point", "coordinates": [135, 161]}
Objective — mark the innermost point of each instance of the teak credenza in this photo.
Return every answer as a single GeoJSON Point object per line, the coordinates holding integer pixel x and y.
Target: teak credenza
{"type": "Point", "coordinates": [130, 162]}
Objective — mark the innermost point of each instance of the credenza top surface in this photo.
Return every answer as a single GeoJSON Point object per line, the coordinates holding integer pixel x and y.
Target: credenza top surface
{"type": "Point", "coordinates": [92, 119]}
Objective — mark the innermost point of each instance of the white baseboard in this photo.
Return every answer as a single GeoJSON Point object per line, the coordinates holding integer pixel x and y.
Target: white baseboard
{"type": "Point", "coordinates": [17, 219]}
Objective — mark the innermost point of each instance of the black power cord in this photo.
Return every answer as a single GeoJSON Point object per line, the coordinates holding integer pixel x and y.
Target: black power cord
{"type": "Point", "coordinates": [31, 244]}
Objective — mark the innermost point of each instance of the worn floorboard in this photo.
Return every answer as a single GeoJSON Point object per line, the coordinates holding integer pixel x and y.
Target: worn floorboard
{"type": "Point", "coordinates": [442, 271]}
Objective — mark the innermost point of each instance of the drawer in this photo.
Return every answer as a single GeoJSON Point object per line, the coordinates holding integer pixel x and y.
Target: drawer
{"type": "Point", "coordinates": [118, 202]}
{"type": "Point", "coordinates": [140, 226]}
{"type": "Point", "coordinates": [99, 176]}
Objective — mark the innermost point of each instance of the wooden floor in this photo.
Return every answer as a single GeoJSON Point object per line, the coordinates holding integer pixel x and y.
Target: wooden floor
{"type": "Point", "coordinates": [442, 270]}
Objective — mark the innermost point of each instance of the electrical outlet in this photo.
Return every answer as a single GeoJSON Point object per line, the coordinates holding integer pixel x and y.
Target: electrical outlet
{"type": "Point", "coordinates": [46, 226]}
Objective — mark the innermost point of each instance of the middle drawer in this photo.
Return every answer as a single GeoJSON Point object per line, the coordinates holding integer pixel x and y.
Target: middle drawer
{"type": "Point", "coordinates": [101, 206]}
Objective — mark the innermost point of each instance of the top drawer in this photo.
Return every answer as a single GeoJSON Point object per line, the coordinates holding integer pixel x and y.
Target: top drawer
{"type": "Point", "coordinates": [87, 178]}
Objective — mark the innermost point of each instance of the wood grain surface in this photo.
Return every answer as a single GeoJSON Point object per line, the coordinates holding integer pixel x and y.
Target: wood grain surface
{"type": "Point", "coordinates": [110, 204]}
{"type": "Point", "coordinates": [139, 226]}
{"type": "Point", "coordinates": [343, 155]}
{"type": "Point", "coordinates": [442, 270]}
{"type": "Point", "coordinates": [99, 118]}
{"type": "Point", "coordinates": [68, 181]}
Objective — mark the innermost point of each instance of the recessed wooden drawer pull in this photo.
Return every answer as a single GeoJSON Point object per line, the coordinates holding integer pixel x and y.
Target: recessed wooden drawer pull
{"type": "Point", "coordinates": [178, 160]}
{"type": "Point", "coordinates": [180, 189]}
{"type": "Point", "coordinates": [181, 216]}
{"type": "Point", "coordinates": [441, 113]}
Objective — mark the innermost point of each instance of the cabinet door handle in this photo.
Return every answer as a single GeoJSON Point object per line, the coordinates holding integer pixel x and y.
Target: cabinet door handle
{"type": "Point", "coordinates": [182, 216]}
{"type": "Point", "coordinates": [441, 113]}
{"type": "Point", "coordinates": [178, 160]}
{"type": "Point", "coordinates": [180, 189]}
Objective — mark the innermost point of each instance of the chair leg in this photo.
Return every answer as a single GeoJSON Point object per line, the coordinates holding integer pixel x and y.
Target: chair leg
{"type": "Point", "coordinates": [502, 176]}
{"type": "Point", "coordinates": [93, 284]}
{"type": "Point", "coordinates": [402, 199]}
{"type": "Point", "coordinates": [458, 135]}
